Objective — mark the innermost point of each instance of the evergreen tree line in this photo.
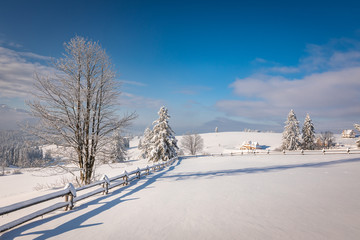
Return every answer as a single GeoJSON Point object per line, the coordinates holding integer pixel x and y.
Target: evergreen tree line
{"type": "Point", "coordinates": [19, 149]}
{"type": "Point", "coordinates": [159, 144]}
{"type": "Point", "coordinates": [292, 140]}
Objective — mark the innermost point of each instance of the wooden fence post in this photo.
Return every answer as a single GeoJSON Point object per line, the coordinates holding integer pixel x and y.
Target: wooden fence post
{"type": "Point", "coordinates": [106, 184]}
{"type": "Point", "coordinates": [138, 173]}
{"type": "Point", "coordinates": [125, 178]}
{"type": "Point", "coordinates": [70, 196]}
{"type": "Point", "coordinates": [147, 170]}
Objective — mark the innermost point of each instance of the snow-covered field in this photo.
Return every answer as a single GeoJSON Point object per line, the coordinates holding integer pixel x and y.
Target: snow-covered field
{"type": "Point", "coordinates": [238, 197]}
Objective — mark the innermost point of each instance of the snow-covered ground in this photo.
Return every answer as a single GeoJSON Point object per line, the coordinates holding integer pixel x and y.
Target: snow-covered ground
{"type": "Point", "coordinates": [238, 197]}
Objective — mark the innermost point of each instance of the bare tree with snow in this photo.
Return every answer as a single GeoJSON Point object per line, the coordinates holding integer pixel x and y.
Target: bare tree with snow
{"type": "Point", "coordinates": [163, 142]}
{"type": "Point", "coordinates": [308, 134]}
{"type": "Point", "coordinates": [77, 104]}
{"type": "Point", "coordinates": [291, 134]}
{"type": "Point", "coordinates": [327, 139]}
{"type": "Point", "coordinates": [192, 143]}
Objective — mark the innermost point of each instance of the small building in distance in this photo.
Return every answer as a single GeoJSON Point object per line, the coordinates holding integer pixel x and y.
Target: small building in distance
{"type": "Point", "coordinates": [249, 145]}
{"type": "Point", "coordinates": [348, 133]}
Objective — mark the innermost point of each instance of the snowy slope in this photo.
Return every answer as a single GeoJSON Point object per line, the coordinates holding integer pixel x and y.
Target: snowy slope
{"type": "Point", "coordinates": [226, 142]}
{"type": "Point", "coordinates": [243, 197]}
{"type": "Point", "coordinates": [239, 197]}
{"type": "Point", "coordinates": [214, 143]}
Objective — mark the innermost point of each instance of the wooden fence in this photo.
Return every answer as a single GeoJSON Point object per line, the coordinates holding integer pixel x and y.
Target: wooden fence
{"type": "Point", "coordinates": [72, 195]}
{"type": "Point", "coordinates": [286, 152]}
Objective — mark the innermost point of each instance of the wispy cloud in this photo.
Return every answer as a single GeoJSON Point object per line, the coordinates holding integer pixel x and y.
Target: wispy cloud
{"type": "Point", "coordinates": [193, 90]}
{"type": "Point", "coordinates": [139, 84]}
{"type": "Point", "coordinates": [16, 72]}
{"type": "Point", "coordinates": [34, 56]}
{"type": "Point", "coordinates": [7, 43]}
{"type": "Point", "coordinates": [336, 54]}
{"type": "Point", "coordinates": [259, 60]}
{"type": "Point", "coordinates": [13, 44]}
{"type": "Point", "coordinates": [138, 102]}
{"type": "Point", "coordinates": [284, 70]}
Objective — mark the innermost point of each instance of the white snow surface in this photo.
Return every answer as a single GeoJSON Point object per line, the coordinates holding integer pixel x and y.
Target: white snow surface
{"type": "Point", "coordinates": [230, 197]}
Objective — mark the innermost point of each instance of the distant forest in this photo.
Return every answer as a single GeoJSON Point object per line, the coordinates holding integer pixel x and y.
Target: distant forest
{"type": "Point", "coordinates": [19, 149]}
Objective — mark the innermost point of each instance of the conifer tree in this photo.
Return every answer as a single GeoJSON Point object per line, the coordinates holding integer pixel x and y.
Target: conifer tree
{"type": "Point", "coordinates": [291, 132]}
{"type": "Point", "coordinates": [119, 149]}
{"type": "Point", "coordinates": [308, 134]}
{"type": "Point", "coordinates": [164, 144]}
{"type": "Point", "coordinates": [146, 143]}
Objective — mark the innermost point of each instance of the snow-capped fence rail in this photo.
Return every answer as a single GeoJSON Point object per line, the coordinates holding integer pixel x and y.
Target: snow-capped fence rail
{"type": "Point", "coordinates": [71, 194]}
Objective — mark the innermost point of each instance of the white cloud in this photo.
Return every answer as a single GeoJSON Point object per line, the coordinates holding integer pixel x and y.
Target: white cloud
{"type": "Point", "coordinates": [259, 60]}
{"type": "Point", "coordinates": [13, 44]}
{"type": "Point", "coordinates": [34, 56]}
{"type": "Point", "coordinates": [138, 102]}
{"type": "Point", "coordinates": [16, 73]}
{"type": "Point", "coordinates": [335, 55]}
{"type": "Point", "coordinates": [329, 94]}
{"type": "Point", "coordinates": [284, 70]}
{"type": "Point", "coordinates": [135, 83]}
{"type": "Point", "coordinates": [329, 89]}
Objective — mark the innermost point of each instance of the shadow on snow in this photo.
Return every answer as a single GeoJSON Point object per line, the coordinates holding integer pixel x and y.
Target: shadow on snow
{"type": "Point", "coordinates": [76, 222]}
{"type": "Point", "coordinates": [141, 184]}
{"type": "Point", "coordinates": [210, 174]}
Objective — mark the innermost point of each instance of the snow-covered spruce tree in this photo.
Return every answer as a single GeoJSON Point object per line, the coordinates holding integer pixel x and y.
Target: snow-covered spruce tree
{"type": "Point", "coordinates": [357, 126]}
{"type": "Point", "coordinates": [164, 144]}
{"type": "Point", "coordinates": [308, 134]}
{"type": "Point", "coordinates": [291, 134]}
{"type": "Point", "coordinates": [146, 143]}
{"type": "Point", "coordinates": [118, 153]}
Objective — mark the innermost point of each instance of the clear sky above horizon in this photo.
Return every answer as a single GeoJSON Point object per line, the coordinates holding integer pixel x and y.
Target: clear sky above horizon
{"type": "Point", "coordinates": [230, 64]}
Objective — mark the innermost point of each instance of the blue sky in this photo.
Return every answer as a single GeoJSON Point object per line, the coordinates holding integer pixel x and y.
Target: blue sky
{"type": "Point", "coordinates": [212, 63]}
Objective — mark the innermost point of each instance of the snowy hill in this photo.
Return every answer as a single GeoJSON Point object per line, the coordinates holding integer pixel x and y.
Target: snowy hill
{"type": "Point", "coordinates": [214, 143]}
{"type": "Point", "coordinates": [225, 197]}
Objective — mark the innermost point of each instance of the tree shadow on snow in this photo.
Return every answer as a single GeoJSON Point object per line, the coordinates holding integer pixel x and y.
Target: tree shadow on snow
{"type": "Point", "coordinates": [211, 174]}
{"type": "Point", "coordinates": [77, 222]}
